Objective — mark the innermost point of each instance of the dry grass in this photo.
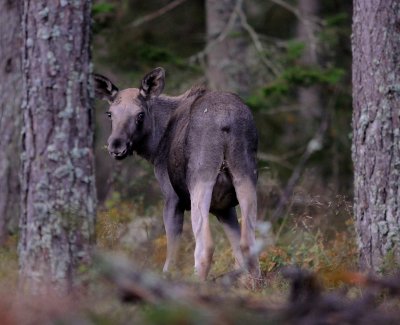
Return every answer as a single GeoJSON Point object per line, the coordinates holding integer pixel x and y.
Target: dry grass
{"type": "Point", "coordinates": [306, 237]}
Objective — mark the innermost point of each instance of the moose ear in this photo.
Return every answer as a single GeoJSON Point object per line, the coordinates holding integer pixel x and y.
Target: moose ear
{"type": "Point", "coordinates": [153, 83]}
{"type": "Point", "coordinates": [104, 88]}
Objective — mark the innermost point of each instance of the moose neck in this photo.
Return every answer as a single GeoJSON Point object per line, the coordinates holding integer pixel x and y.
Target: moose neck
{"type": "Point", "coordinates": [160, 110]}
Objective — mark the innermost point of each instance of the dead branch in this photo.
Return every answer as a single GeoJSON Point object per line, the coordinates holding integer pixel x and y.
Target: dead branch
{"type": "Point", "coordinates": [274, 159]}
{"type": "Point", "coordinates": [295, 11]}
{"type": "Point", "coordinates": [145, 19]}
{"type": "Point", "coordinates": [310, 23]}
{"type": "Point", "coordinates": [200, 56]}
{"type": "Point", "coordinates": [314, 145]}
{"type": "Point", "coordinates": [288, 7]}
{"type": "Point", "coordinates": [308, 303]}
{"type": "Point", "coordinates": [237, 12]}
{"type": "Point", "coordinates": [135, 285]}
{"type": "Point", "coordinates": [256, 41]}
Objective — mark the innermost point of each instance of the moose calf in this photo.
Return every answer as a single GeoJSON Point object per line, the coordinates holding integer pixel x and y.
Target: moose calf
{"type": "Point", "coordinates": [203, 147]}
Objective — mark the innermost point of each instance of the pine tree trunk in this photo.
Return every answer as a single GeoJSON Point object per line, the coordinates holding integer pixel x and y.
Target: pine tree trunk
{"type": "Point", "coordinates": [226, 59]}
{"type": "Point", "coordinates": [58, 187]}
{"type": "Point", "coordinates": [10, 114]}
{"type": "Point", "coordinates": [376, 130]}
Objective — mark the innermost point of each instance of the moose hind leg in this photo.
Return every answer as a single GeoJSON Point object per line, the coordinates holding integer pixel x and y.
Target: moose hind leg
{"type": "Point", "coordinates": [243, 168]}
{"type": "Point", "coordinates": [230, 224]}
{"type": "Point", "coordinates": [200, 196]}
{"type": "Point", "coordinates": [247, 197]}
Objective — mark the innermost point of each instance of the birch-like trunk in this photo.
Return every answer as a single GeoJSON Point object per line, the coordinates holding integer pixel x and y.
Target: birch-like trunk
{"type": "Point", "coordinates": [376, 130]}
{"type": "Point", "coordinates": [58, 187]}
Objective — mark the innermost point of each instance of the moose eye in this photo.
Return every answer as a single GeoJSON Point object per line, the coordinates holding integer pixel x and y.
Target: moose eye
{"type": "Point", "coordinates": [108, 114]}
{"type": "Point", "coordinates": [140, 117]}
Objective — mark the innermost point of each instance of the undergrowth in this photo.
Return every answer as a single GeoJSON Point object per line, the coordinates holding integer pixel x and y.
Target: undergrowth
{"type": "Point", "coordinates": [318, 236]}
{"type": "Point", "coordinates": [321, 240]}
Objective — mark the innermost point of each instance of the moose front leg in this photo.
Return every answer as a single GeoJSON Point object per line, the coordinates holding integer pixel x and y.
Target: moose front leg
{"type": "Point", "coordinates": [173, 223]}
{"type": "Point", "coordinates": [172, 214]}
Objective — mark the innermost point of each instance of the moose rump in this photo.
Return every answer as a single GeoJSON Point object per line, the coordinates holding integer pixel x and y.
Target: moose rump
{"type": "Point", "coordinates": [203, 146]}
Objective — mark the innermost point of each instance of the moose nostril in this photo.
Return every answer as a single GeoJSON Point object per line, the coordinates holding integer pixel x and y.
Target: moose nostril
{"type": "Point", "coordinates": [117, 148]}
{"type": "Point", "coordinates": [116, 143]}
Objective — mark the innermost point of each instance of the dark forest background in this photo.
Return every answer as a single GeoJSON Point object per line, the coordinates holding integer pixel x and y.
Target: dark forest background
{"type": "Point", "coordinates": [300, 104]}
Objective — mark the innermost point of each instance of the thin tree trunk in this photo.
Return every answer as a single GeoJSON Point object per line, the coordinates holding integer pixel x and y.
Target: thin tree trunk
{"type": "Point", "coordinates": [10, 114]}
{"type": "Point", "coordinates": [309, 97]}
{"type": "Point", "coordinates": [58, 187]}
{"type": "Point", "coordinates": [376, 130]}
{"type": "Point", "coordinates": [226, 58]}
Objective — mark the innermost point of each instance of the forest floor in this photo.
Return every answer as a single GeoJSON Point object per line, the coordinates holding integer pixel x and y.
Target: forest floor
{"type": "Point", "coordinates": [127, 286]}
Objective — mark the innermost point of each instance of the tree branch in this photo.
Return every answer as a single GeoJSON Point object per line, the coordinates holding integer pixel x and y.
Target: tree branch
{"type": "Point", "coordinates": [256, 41]}
{"type": "Point", "coordinates": [310, 23]}
{"type": "Point", "coordinates": [200, 56]}
{"type": "Point", "coordinates": [145, 19]}
{"type": "Point", "coordinates": [314, 145]}
{"type": "Point", "coordinates": [274, 159]}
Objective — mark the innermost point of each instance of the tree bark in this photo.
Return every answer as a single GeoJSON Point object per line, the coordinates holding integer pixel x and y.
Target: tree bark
{"type": "Point", "coordinates": [10, 114]}
{"type": "Point", "coordinates": [227, 42]}
{"type": "Point", "coordinates": [376, 130]}
{"type": "Point", "coordinates": [309, 97]}
{"type": "Point", "coordinates": [58, 186]}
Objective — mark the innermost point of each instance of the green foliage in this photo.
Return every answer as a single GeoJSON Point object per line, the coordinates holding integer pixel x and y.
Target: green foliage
{"type": "Point", "coordinates": [294, 50]}
{"type": "Point", "coordinates": [302, 76]}
{"type": "Point", "coordinates": [103, 8]}
{"type": "Point", "coordinates": [278, 87]}
{"type": "Point", "coordinates": [151, 55]}
{"type": "Point", "coordinates": [337, 20]}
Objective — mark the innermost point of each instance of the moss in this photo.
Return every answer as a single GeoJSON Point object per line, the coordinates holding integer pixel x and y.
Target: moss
{"type": "Point", "coordinates": [68, 47]}
{"type": "Point", "coordinates": [44, 33]}
{"type": "Point", "coordinates": [52, 63]}
{"type": "Point", "coordinates": [43, 13]}
{"type": "Point", "coordinates": [63, 171]}
{"type": "Point", "coordinates": [53, 153]}
{"type": "Point", "coordinates": [56, 31]}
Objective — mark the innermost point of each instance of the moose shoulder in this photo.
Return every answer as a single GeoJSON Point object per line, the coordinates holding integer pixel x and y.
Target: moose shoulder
{"type": "Point", "coordinates": [203, 146]}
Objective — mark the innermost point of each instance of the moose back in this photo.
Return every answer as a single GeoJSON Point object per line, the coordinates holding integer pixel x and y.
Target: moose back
{"type": "Point", "coordinates": [203, 147]}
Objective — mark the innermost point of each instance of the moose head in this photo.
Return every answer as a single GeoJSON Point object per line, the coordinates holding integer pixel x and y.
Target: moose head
{"type": "Point", "coordinates": [129, 111]}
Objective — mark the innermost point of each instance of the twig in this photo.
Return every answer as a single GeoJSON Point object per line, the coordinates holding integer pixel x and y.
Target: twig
{"type": "Point", "coordinates": [309, 22]}
{"type": "Point", "coordinates": [308, 302]}
{"type": "Point", "coordinates": [288, 7]}
{"type": "Point", "coordinates": [156, 14]}
{"type": "Point", "coordinates": [200, 56]}
{"type": "Point", "coordinates": [135, 285]}
{"type": "Point", "coordinates": [237, 12]}
{"type": "Point", "coordinates": [314, 145]}
{"type": "Point", "coordinates": [294, 10]}
{"type": "Point", "coordinates": [256, 41]}
{"type": "Point", "coordinates": [275, 159]}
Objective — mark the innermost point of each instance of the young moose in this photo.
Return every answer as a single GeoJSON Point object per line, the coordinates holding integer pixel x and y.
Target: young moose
{"type": "Point", "coordinates": [203, 146]}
